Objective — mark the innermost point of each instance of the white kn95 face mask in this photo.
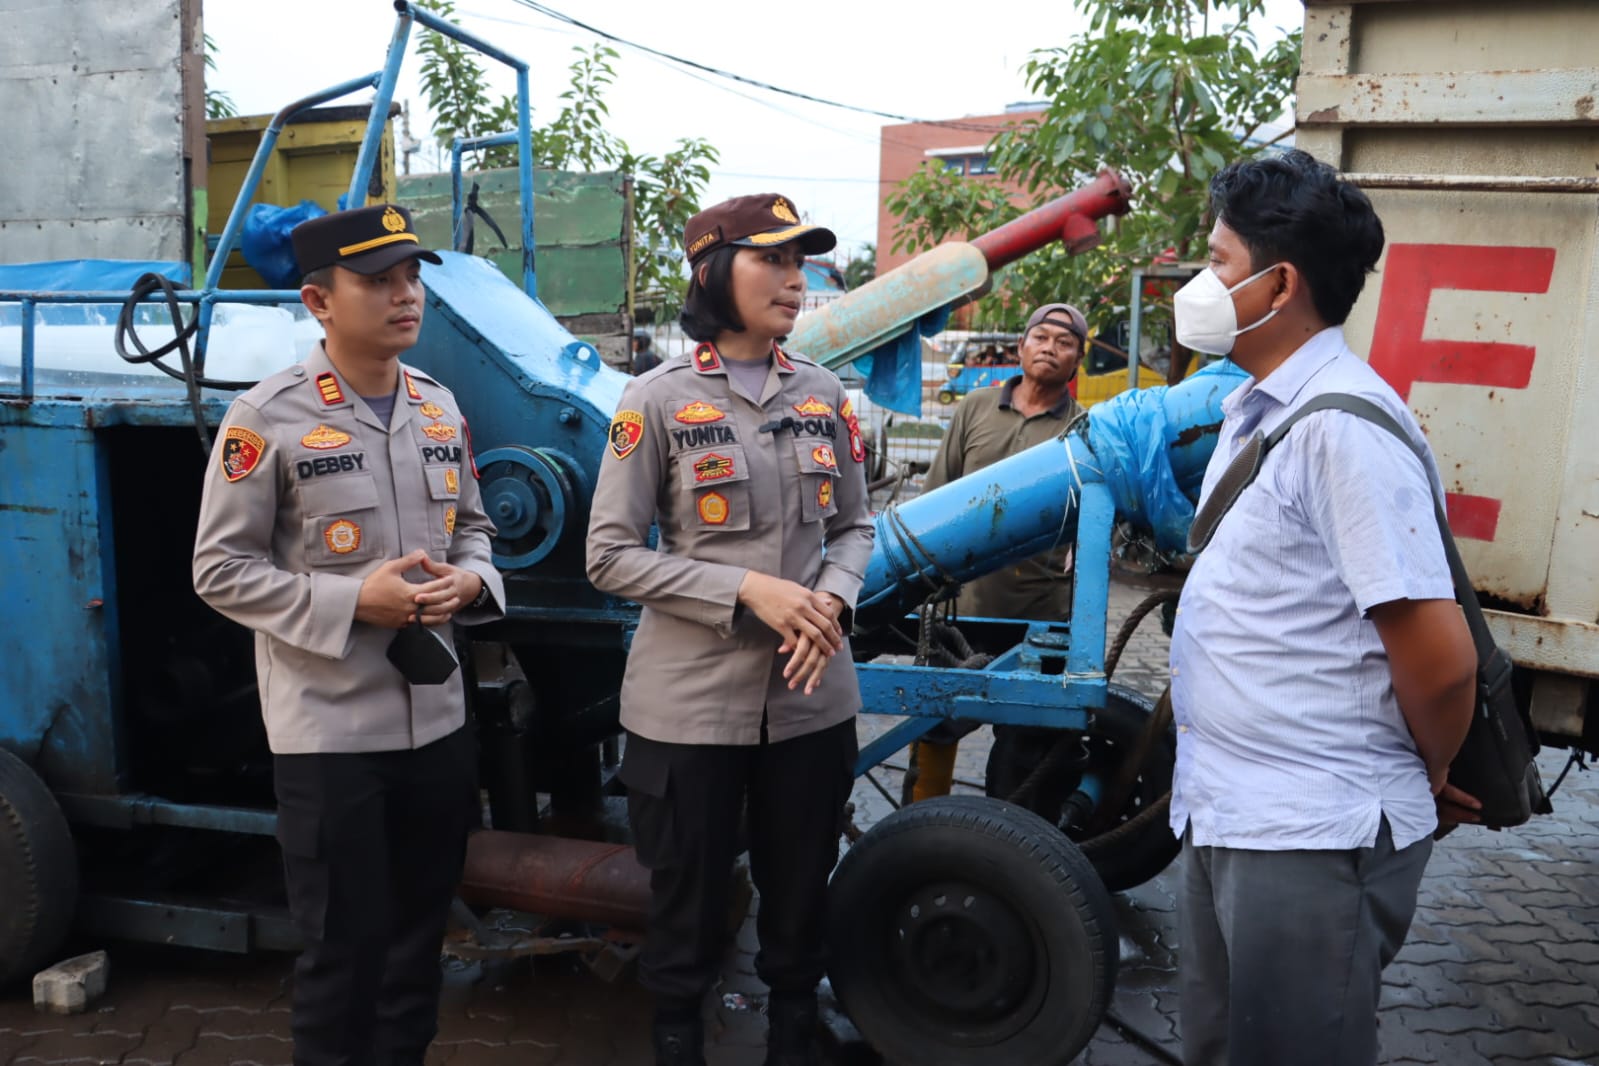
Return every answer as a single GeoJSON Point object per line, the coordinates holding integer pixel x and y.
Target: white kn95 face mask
{"type": "Point", "coordinates": [1207, 321]}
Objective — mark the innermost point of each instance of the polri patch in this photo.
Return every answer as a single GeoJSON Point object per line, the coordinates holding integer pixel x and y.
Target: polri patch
{"type": "Point", "coordinates": [814, 408]}
{"type": "Point", "coordinates": [410, 387]}
{"type": "Point", "coordinates": [713, 508]}
{"type": "Point", "coordinates": [700, 412]}
{"type": "Point", "coordinates": [627, 429]}
{"type": "Point", "coordinates": [449, 521]}
{"type": "Point", "coordinates": [328, 386]}
{"type": "Point", "coordinates": [241, 452]}
{"type": "Point", "coordinates": [342, 537]}
{"type": "Point", "coordinates": [713, 468]}
{"type": "Point", "coordinates": [324, 438]}
{"type": "Point", "coordinates": [857, 445]}
{"type": "Point", "coordinates": [431, 410]}
{"type": "Point", "coordinates": [823, 455]}
{"type": "Point", "coordinates": [439, 431]}
{"type": "Point", "coordinates": [824, 493]}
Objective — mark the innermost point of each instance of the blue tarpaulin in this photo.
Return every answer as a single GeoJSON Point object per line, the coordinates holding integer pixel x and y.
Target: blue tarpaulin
{"type": "Point", "coordinates": [265, 242]}
{"type": "Point", "coordinates": [894, 370]}
{"type": "Point", "coordinates": [86, 275]}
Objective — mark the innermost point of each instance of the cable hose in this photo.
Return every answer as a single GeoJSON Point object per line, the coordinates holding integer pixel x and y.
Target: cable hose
{"type": "Point", "coordinates": [192, 381]}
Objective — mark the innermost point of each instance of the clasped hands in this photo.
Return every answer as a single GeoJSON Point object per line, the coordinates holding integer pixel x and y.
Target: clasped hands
{"type": "Point", "coordinates": [387, 599]}
{"type": "Point", "coordinates": [806, 620]}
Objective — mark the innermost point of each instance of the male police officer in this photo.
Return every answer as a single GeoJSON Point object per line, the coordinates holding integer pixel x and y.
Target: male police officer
{"type": "Point", "coordinates": [341, 520]}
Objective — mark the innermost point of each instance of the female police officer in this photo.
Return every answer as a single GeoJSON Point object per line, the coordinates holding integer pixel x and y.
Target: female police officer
{"type": "Point", "coordinates": [739, 686]}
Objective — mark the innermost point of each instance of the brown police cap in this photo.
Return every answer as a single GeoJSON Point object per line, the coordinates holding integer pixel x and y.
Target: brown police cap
{"type": "Point", "coordinates": [367, 240]}
{"type": "Point", "coordinates": [1063, 315]}
{"type": "Point", "coordinates": [758, 221]}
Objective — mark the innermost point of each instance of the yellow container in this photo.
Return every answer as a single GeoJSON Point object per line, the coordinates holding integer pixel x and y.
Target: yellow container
{"type": "Point", "coordinates": [313, 160]}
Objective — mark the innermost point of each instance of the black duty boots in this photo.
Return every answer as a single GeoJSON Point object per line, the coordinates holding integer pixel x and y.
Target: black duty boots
{"type": "Point", "coordinates": [791, 1032]}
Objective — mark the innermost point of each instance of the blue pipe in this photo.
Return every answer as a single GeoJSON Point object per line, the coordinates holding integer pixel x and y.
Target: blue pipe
{"type": "Point", "coordinates": [27, 349]}
{"type": "Point", "coordinates": [379, 118]}
{"type": "Point", "coordinates": [252, 177]}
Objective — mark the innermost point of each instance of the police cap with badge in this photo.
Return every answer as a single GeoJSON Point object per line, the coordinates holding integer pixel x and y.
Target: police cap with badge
{"type": "Point", "coordinates": [367, 240]}
{"type": "Point", "coordinates": [757, 221]}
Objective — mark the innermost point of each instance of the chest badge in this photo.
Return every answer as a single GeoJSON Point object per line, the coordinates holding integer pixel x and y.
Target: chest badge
{"type": "Point", "coordinates": [452, 481]}
{"type": "Point", "coordinates": [814, 408]}
{"type": "Point", "coordinates": [439, 431]}
{"type": "Point", "coordinates": [713, 508]}
{"type": "Point", "coordinates": [824, 456]}
{"type": "Point", "coordinates": [699, 412]}
{"type": "Point", "coordinates": [431, 410]}
{"type": "Point", "coordinates": [241, 452]}
{"type": "Point", "coordinates": [342, 537]}
{"type": "Point", "coordinates": [824, 493]}
{"type": "Point", "coordinates": [323, 438]}
{"type": "Point", "coordinates": [328, 386]}
{"type": "Point", "coordinates": [627, 429]}
{"type": "Point", "coordinates": [713, 468]}
{"type": "Point", "coordinates": [449, 521]}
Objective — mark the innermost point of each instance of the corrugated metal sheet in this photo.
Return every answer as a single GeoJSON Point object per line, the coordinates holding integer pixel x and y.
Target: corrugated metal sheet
{"type": "Point", "coordinates": [93, 94]}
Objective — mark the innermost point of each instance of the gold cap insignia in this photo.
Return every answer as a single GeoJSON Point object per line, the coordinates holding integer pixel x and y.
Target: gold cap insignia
{"type": "Point", "coordinates": [393, 221]}
{"type": "Point", "coordinates": [783, 212]}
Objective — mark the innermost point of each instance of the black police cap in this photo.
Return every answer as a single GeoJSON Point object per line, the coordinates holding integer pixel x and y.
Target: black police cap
{"type": "Point", "coordinates": [367, 240]}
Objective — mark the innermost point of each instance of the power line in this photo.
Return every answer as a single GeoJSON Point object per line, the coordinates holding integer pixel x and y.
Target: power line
{"type": "Point", "coordinates": [549, 12]}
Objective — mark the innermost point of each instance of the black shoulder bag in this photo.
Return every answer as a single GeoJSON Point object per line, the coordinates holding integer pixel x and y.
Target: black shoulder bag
{"type": "Point", "coordinates": [1495, 764]}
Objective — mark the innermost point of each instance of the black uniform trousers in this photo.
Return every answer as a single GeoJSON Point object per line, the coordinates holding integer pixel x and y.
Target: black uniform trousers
{"type": "Point", "coordinates": [684, 802]}
{"type": "Point", "coordinates": [373, 847]}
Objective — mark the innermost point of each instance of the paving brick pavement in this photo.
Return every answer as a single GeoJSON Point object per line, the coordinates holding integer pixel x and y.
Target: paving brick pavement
{"type": "Point", "coordinates": [1501, 967]}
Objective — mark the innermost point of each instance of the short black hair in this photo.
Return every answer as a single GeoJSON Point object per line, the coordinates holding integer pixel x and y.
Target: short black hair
{"type": "Point", "coordinates": [708, 309]}
{"type": "Point", "coordinates": [1292, 208]}
{"type": "Point", "coordinates": [322, 278]}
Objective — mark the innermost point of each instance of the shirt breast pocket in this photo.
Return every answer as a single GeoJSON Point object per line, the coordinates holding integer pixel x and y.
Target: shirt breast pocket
{"type": "Point", "coordinates": [715, 485]}
{"type": "Point", "coordinates": [444, 490]}
{"type": "Point", "coordinates": [341, 520]}
{"type": "Point", "coordinates": [818, 478]}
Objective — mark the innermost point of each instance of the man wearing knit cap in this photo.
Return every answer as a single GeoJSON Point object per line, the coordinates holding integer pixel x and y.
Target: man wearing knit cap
{"type": "Point", "coordinates": [989, 425]}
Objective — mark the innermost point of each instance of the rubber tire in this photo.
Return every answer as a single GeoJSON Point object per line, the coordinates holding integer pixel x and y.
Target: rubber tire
{"type": "Point", "coordinates": [1021, 861]}
{"type": "Point", "coordinates": [946, 397]}
{"type": "Point", "coordinates": [38, 873]}
{"type": "Point", "coordinates": [1123, 859]}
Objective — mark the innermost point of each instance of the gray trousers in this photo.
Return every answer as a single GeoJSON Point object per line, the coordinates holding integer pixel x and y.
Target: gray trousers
{"type": "Point", "coordinates": [1282, 952]}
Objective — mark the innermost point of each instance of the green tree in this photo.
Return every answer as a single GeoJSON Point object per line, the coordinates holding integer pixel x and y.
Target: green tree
{"type": "Point", "coordinates": [218, 104]}
{"type": "Point", "coordinates": [861, 267]}
{"type": "Point", "coordinates": [1165, 91]}
{"type": "Point", "coordinates": [666, 188]}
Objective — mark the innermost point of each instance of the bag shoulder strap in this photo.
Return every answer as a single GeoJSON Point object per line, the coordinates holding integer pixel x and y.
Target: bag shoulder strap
{"type": "Point", "coordinates": [1363, 408]}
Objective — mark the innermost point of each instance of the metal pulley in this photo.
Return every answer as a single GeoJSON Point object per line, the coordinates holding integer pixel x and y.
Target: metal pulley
{"type": "Point", "coordinates": [530, 495]}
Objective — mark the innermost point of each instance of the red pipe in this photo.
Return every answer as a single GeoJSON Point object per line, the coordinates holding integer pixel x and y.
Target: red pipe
{"type": "Point", "coordinates": [1108, 194]}
{"type": "Point", "coordinates": [558, 877]}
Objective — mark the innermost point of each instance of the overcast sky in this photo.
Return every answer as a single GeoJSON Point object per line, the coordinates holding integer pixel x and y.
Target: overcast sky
{"type": "Point", "coordinates": [868, 53]}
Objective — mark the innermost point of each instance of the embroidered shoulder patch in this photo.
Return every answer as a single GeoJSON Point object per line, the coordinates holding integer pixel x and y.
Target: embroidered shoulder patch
{"type": "Point", "coordinates": [699, 412]}
{"type": "Point", "coordinates": [241, 452]}
{"type": "Point", "coordinates": [814, 408]}
{"type": "Point", "coordinates": [627, 429]}
{"type": "Point", "coordinates": [713, 508]}
{"type": "Point", "coordinates": [324, 439]}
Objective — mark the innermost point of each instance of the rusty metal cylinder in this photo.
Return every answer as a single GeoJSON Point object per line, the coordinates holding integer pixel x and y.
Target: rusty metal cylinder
{"type": "Point", "coordinates": [1108, 194]}
{"type": "Point", "coordinates": [558, 877]}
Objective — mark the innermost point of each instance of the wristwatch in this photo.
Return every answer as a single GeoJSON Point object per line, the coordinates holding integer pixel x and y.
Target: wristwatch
{"type": "Point", "coordinates": [483, 595]}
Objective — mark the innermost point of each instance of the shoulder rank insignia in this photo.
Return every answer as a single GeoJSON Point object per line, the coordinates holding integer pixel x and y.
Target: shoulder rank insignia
{"type": "Point", "coordinates": [431, 410]}
{"type": "Point", "coordinates": [813, 408]}
{"type": "Point", "coordinates": [328, 386]}
{"type": "Point", "coordinates": [706, 359]}
{"type": "Point", "coordinates": [783, 361]}
{"type": "Point", "coordinates": [324, 439]}
{"type": "Point", "coordinates": [241, 452]}
{"type": "Point", "coordinates": [699, 412]}
{"type": "Point", "coordinates": [410, 387]}
{"type": "Point", "coordinates": [439, 431]}
{"type": "Point", "coordinates": [449, 521]}
{"type": "Point", "coordinates": [824, 493]}
{"type": "Point", "coordinates": [627, 429]}
{"type": "Point", "coordinates": [713, 468]}
{"type": "Point", "coordinates": [713, 508]}
{"type": "Point", "coordinates": [342, 537]}
{"type": "Point", "coordinates": [824, 456]}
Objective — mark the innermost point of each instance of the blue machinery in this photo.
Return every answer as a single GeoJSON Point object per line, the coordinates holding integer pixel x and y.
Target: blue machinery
{"type": "Point", "coordinates": [135, 704]}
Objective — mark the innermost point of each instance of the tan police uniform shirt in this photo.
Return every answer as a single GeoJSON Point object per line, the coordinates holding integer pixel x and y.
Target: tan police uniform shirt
{"type": "Point", "coordinates": [687, 453]}
{"type": "Point", "coordinates": [305, 495]}
{"type": "Point", "coordinates": [985, 429]}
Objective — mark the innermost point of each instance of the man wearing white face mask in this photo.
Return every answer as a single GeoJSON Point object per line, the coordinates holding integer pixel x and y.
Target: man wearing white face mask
{"type": "Point", "coordinates": [1322, 674]}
